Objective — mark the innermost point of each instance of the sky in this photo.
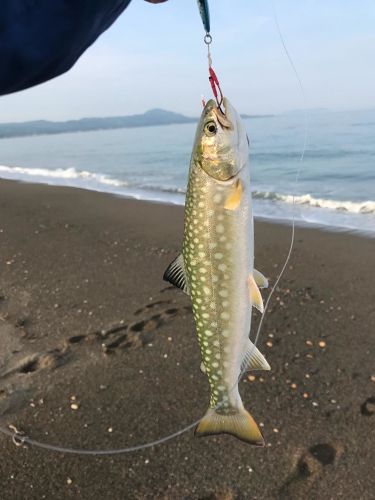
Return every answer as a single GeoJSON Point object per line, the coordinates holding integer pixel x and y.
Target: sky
{"type": "Point", "coordinates": [154, 56]}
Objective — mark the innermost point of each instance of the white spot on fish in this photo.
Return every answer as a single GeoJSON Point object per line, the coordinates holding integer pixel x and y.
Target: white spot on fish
{"type": "Point", "coordinates": [224, 315]}
{"type": "Point", "coordinates": [222, 267]}
{"type": "Point", "coordinates": [223, 293]}
{"type": "Point", "coordinates": [218, 255]}
{"type": "Point", "coordinates": [220, 228]}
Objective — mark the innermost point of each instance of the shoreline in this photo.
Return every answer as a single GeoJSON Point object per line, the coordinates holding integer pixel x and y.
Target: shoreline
{"type": "Point", "coordinates": [177, 199]}
{"type": "Point", "coordinates": [97, 352]}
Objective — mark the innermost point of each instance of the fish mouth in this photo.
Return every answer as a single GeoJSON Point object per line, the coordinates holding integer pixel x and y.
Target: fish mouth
{"type": "Point", "coordinates": [222, 116]}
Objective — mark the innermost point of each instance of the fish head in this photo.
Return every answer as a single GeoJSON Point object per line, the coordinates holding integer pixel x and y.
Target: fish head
{"type": "Point", "coordinates": [221, 143]}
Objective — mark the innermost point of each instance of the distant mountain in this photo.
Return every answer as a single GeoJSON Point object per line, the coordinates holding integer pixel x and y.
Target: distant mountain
{"type": "Point", "coordinates": [150, 118]}
{"type": "Point", "coordinates": [39, 127]}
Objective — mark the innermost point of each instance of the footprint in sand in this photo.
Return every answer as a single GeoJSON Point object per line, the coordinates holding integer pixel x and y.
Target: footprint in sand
{"type": "Point", "coordinates": [309, 465]}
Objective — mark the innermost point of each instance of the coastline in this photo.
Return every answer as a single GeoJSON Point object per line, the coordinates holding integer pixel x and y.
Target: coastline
{"type": "Point", "coordinates": [265, 210]}
{"type": "Point", "coordinates": [84, 313]}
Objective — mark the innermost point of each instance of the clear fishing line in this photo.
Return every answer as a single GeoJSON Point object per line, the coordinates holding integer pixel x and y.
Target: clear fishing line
{"type": "Point", "coordinates": [18, 437]}
{"type": "Point", "coordinates": [296, 180]}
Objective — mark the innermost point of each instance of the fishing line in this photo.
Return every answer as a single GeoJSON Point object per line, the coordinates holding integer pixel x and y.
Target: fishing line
{"type": "Point", "coordinates": [18, 437]}
{"type": "Point", "coordinates": [296, 180]}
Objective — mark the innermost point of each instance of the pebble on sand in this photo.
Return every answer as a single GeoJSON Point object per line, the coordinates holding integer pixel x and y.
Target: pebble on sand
{"type": "Point", "coordinates": [372, 378]}
{"type": "Point", "coordinates": [74, 406]}
{"type": "Point", "coordinates": [309, 343]}
{"type": "Point", "coordinates": [293, 386]}
{"type": "Point", "coordinates": [322, 344]}
{"type": "Point", "coordinates": [251, 378]}
{"type": "Point", "coordinates": [269, 343]}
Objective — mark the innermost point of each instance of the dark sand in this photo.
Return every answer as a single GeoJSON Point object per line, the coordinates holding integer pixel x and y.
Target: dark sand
{"type": "Point", "coordinates": [85, 319]}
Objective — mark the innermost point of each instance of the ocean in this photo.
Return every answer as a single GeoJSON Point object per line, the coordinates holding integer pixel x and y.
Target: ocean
{"type": "Point", "coordinates": [336, 186]}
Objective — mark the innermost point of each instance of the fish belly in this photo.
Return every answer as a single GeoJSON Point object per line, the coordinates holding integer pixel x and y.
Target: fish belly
{"type": "Point", "coordinates": [218, 256]}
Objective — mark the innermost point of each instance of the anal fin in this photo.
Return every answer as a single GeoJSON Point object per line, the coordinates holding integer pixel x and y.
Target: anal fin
{"type": "Point", "coordinates": [254, 359]}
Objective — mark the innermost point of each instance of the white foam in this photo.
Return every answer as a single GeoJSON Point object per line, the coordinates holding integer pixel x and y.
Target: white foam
{"type": "Point", "coordinates": [361, 207]}
{"type": "Point", "coordinates": [58, 173]}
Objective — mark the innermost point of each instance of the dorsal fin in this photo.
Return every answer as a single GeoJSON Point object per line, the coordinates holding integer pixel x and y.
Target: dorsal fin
{"type": "Point", "coordinates": [175, 274]}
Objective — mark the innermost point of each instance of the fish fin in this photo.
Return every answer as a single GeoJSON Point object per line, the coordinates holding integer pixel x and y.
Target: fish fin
{"type": "Point", "coordinates": [203, 368]}
{"type": "Point", "coordinates": [260, 280]}
{"type": "Point", "coordinates": [175, 274]}
{"type": "Point", "coordinates": [238, 423]}
{"type": "Point", "coordinates": [255, 296]}
{"type": "Point", "coordinates": [234, 199]}
{"type": "Point", "coordinates": [254, 359]}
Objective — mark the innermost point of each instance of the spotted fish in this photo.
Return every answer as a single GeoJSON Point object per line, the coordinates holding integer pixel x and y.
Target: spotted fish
{"type": "Point", "coordinates": [216, 267]}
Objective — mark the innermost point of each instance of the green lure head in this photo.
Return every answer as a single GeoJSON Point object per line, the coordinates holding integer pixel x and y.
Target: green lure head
{"type": "Point", "coordinates": [221, 146]}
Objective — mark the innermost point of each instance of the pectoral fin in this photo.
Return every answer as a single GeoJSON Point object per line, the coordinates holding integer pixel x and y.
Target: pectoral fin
{"type": "Point", "coordinates": [175, 274]}
{"type": "Point", "coordinates": [255, 296]}
{"type": "Point", "coordinates": [260, 280]}
{"type": "Point", "coordinates": [234, 199]}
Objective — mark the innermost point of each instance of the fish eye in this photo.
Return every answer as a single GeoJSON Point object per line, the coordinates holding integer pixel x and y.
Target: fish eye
{"type": "Point", "coordinates": [210, 128]}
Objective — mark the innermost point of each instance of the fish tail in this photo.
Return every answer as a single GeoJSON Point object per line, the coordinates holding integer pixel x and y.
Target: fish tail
{"type": "Point", "coordinates": [238, 423]}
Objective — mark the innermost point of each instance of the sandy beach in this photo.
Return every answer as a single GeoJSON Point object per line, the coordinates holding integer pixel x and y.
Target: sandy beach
{"type": "Point", "coordinates": [97, 352]}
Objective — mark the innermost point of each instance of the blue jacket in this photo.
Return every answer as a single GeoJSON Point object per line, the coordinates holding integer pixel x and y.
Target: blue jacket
{"type": "Point", "coordinates": [40, 39]}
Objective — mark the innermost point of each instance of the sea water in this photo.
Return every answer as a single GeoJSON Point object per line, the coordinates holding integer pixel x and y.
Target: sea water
{"type": "Point", "coordinates": [336, 186]}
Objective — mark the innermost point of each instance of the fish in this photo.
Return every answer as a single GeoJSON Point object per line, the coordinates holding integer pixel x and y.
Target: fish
{"type": "Point", "coordinates": [216, 267]}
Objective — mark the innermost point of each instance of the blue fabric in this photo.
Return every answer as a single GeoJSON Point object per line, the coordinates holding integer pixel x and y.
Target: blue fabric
{"type": "Point", "coordinates": [40, 39]}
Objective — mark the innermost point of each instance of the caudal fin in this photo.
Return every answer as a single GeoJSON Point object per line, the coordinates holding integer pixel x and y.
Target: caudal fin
{"type": "Point", "coordinates": [239, 424]}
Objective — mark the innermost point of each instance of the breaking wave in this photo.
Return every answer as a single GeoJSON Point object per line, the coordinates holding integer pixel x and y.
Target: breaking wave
{"type": "Point", "coordinates": [59, 173]}
{"type": "Point", "coordinates": [102, 182]}
{"type": "Point", "coordinates": [359, 207]}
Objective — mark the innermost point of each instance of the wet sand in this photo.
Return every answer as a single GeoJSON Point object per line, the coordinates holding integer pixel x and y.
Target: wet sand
{"type": "Point", "coordinates": [96, 351]}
